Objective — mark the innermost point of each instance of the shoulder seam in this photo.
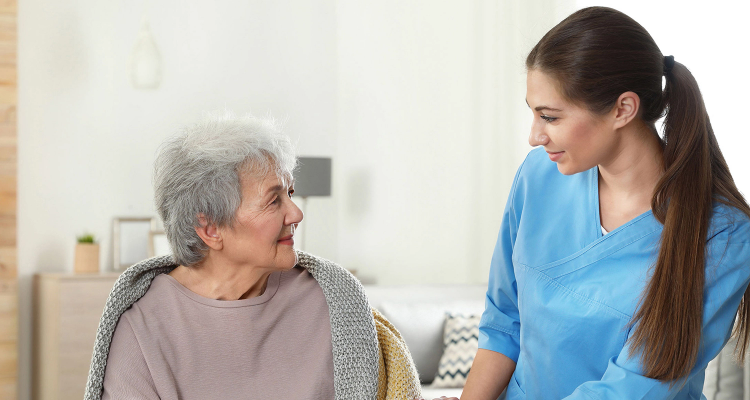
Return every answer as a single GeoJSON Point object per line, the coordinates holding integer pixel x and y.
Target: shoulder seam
{"type": "Point", "coordinates": [588, 392]}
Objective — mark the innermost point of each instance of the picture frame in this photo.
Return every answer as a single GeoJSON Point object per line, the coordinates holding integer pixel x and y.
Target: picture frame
{"type": "Point", "coordinates": [130, 240]}
{"type": "Point", "coordinates": [158, 244]}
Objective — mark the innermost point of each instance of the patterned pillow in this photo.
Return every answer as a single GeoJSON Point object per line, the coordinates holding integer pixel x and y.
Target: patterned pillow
{"type": "Point", "coordinates": [460, 341]}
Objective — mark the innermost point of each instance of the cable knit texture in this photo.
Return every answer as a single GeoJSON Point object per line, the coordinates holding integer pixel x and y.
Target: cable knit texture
{"type": "Point", "coordinates": [363, 367]}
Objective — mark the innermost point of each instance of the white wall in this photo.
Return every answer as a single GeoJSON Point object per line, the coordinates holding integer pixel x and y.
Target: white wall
{"type": "Point", "coordinates": [87, 139]}
{"type": "Point", "coordinates": [432, 126]}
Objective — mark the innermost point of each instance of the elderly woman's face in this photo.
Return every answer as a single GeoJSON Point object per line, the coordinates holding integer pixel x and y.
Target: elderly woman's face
{"type": "Point", "coordinates": [262, 235]}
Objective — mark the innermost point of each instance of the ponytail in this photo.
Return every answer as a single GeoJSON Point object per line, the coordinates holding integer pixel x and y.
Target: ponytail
{"type": "Point", "coordinates": [671, 315]}
{"type": "Point", "coordinates": [669, 319]}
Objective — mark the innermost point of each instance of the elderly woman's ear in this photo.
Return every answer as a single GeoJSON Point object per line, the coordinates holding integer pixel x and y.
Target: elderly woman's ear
{"type": "Point", "coordinates": [209, 233]}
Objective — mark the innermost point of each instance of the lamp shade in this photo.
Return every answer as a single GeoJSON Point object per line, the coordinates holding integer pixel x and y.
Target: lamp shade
{"type": "Point", "coordinates": [312, 177]}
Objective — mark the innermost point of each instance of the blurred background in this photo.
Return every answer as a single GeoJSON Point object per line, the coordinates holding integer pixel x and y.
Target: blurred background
{"type": "Point", "coordinates": [419, 104]}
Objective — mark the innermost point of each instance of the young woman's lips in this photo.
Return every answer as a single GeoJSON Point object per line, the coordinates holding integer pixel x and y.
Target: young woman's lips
{"type": "Point", "coordinates": [288, 240]}
{"type": "Point", "coordinates": [554, 156]}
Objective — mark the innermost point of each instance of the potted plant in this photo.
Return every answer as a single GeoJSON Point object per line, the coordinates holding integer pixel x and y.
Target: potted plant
{"type": "Point", "coordinates": [87, 255]}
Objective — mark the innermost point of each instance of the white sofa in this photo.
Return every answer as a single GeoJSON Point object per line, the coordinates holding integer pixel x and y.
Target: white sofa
{"type": "Point", "coordinates": [417, 311]}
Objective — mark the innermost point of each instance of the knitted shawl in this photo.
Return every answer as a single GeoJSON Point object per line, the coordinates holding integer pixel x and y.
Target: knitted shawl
{"type": "Point", "coordinates": [370, 358]}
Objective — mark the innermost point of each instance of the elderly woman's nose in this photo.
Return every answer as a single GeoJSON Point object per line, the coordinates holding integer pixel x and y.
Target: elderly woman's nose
{"type": "Point", "coordinates": [538, 137]}
{"type": "Point", "coordinates": [294, 215]}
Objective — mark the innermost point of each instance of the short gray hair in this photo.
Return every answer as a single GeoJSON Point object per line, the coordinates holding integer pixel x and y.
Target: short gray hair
{"type": "Point", "coordinates": [198, 171]}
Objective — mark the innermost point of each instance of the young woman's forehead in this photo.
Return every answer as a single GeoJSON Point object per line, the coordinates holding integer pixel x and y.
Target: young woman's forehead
{"type": "Point", "coordinates": [542, 92]}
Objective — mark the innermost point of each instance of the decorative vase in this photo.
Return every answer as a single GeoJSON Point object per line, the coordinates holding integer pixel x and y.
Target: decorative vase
{"type": "Point", "coordinates": [87, 258]}
{"type": "Point", "coordinates": [145, 64]}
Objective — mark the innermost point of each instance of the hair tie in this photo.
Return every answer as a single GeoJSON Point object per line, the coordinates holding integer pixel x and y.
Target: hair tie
{"type": "Point", "coordinates": [668, 64]}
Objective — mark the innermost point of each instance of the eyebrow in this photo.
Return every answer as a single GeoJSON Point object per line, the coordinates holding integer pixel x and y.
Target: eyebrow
{"type": "Point", "coordinates": [540, 108]}
{"type": "Point", "coordinates": [273, 189]}
{"type": "Point", "coordinates": [276, 188]}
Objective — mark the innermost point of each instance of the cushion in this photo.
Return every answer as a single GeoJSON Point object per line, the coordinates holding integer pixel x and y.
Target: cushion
{"type": "Point", "coordinates": [421, 325]}
{"type": "Point", "coordinates": [461, 341]}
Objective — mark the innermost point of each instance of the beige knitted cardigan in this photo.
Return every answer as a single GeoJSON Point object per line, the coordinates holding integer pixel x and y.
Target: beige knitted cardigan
{"type": "Point", "coordinates": [370, 358]}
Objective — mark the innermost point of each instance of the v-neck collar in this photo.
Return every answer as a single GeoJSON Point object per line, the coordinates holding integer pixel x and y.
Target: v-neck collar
{"type": "Point", "coordinates": [598, 234]}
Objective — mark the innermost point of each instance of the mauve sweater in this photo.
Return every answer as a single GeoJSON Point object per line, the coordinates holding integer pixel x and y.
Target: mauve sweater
{"type": "Point", "coordinates": [175, 344]}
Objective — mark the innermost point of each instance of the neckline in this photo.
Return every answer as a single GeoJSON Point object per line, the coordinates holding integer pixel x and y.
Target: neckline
{"type": "Point", "coordinates": [271, 288]}
{"type": "Point", "coordinates": [597, 215]}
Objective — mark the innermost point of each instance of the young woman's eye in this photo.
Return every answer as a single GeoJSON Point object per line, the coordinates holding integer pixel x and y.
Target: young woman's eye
{"type": "Point", "coordinates": [548, 119]}
{"type": "Point", "coordinates": [291, 192]}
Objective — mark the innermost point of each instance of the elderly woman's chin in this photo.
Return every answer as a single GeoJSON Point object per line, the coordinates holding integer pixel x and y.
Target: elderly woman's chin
{"type": "Point", "coordinates": [288, 256]}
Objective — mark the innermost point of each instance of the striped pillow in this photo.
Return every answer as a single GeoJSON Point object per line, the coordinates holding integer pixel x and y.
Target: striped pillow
{"type": "Point", "coordinates": [460, 341]}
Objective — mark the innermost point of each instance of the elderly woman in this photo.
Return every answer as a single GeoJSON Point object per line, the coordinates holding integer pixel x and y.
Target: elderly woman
{"type": "Point", "coordinates": [236, 312]}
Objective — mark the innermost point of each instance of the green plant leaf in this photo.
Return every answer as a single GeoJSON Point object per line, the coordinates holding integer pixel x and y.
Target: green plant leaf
{"type": "Point", "coordinates": [86, 238]}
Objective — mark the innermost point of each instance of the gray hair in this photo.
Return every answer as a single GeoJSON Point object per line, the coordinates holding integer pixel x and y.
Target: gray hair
{"type": "Point", "coordinates": [198, 171]}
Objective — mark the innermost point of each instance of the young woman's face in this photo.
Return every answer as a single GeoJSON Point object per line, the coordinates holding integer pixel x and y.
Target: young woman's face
{"type": "Point", "coordinates": [574, 138]}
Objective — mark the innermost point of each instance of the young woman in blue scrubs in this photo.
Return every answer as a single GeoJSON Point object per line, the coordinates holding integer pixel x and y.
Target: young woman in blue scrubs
{"type": "Point", "coordinates": [623, 257]}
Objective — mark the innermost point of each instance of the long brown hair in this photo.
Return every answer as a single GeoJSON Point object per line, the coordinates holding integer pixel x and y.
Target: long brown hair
{"type": "Point", "coordinates": [595, 55]}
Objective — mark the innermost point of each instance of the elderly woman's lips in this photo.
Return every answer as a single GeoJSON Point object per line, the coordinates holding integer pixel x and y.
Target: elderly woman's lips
{"type": "Point", "coordinates": [287, 240]}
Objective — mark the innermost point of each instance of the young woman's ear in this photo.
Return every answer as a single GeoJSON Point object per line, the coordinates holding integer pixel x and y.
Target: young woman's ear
{"type": "Point", "coordinates": [626, 109]}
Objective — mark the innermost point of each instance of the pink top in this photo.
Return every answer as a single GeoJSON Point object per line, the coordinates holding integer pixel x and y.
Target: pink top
{"type": "Point", "coordinates": [174, 344]}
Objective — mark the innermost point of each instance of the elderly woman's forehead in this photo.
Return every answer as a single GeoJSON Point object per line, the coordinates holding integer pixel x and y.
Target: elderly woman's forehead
{"type": "Point", "coordinates": [265, 182]}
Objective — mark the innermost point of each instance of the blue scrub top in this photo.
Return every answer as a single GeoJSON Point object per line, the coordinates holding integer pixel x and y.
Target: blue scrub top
{"type": "Point", "coordinates": [561, 294]}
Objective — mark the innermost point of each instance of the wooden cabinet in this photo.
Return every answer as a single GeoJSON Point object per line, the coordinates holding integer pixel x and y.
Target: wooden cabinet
{"type": "Point", "coordinates": [8, 331]}
{"type": "Point", "coordinates": [67, 309]}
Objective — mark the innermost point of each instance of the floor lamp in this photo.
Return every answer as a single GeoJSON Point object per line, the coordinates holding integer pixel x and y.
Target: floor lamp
{"type": "Point", "coordinates": [312, 178]}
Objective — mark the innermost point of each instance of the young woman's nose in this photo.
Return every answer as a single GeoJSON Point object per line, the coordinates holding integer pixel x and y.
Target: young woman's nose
{"type": "Point", "coordinates": [538, 137]}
